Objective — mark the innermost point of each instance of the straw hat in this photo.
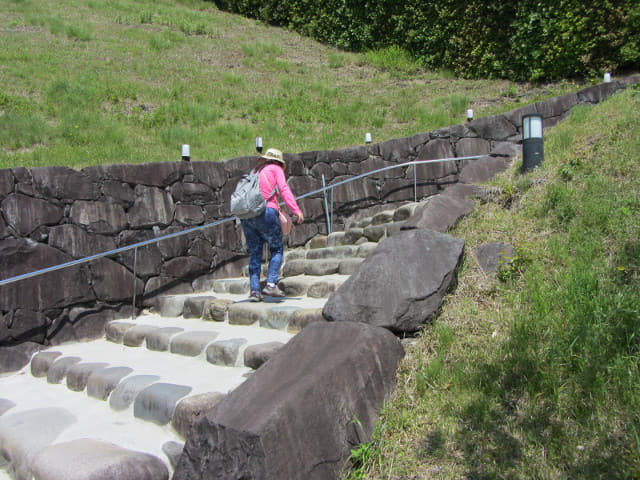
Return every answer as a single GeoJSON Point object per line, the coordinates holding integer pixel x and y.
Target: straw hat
{"type": "Point", "coordinates": [274, 155]}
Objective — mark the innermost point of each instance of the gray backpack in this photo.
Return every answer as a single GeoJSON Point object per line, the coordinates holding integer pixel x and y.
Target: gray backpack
{"type": "Point", "coordinates": [247, 200]}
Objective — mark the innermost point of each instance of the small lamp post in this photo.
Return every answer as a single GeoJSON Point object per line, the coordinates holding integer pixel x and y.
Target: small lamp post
{"type": "Point", "coordinates": [469, 114]}
{"type": "Point", "coordinates": [532, 143]}
{"type": "Point", "coordinates": [186, 156]}
{"type": "Point", "coordinates": [259, 144]}
{"type": "Point", "coordinates": [367, 138]}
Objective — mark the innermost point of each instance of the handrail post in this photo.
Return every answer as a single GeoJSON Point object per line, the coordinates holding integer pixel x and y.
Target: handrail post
{"type": "Point", "coordinates": [331, 217]}
{"type": "Point", "coordinates": [415, 184]}
{"type": "Point", "coordinates": [135, 266]}
{"type": "Point", "coordinates": [326, 206]}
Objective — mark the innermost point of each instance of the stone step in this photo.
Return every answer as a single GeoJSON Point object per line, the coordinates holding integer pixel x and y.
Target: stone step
{"type": "Point", "coordinates": [220, 343]}
{"type": "Point", "coordinates": [320, 267]}
{"type": "Point", "coordinates": [336, 252]}
{"type": "Point", "coordinates": [50, 429]}
{"type": "Point", "coordinates": [312, 286]}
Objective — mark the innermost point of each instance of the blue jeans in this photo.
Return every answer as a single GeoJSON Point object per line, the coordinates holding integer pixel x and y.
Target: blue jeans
{"type": "Point", "coordinates": [257, 231]}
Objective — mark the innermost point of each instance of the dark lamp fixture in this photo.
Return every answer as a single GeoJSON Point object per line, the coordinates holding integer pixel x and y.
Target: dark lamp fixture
{"type": "Point", "coordinates": [532, 142]}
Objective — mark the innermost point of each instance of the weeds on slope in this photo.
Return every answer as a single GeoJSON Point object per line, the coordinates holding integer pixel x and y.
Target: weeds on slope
{"type": "Point", "coordinates": [534, 374]}
{"type": "Point", "coordinates": [129, 81]}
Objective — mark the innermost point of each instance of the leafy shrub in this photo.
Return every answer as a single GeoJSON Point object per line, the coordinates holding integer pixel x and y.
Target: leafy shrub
{"type": "Point", "coordinates": [524, 40]}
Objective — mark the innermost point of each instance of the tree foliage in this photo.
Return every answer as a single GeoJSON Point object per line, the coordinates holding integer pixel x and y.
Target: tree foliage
{"type": "Point", "coordinates": [524, 40]}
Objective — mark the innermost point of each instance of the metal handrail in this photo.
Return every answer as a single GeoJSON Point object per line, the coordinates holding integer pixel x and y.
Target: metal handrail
{"type": "Point", "coordinates": [135, 246]}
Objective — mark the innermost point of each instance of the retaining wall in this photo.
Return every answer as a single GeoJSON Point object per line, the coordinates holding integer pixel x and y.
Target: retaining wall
{"type": "Point", "coordinates": [53, 215]}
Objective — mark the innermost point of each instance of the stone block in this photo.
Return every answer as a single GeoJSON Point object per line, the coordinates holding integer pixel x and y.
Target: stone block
{"type": "Point", "coordinates": [225, 353]}
{"type": "Point", "coordinates": [114, 331]}
{"type": "Point", "coordinates": [136, 335]}
{"type": "Point", "coordinates": [86, 458]}
{"type": "Point", "coordinates": [99, 217]}
{"type": "Point", "coordinates": [25, 214]}
{"type": "Point", "coordinates": [256, 355]}
{"type": "Point", "coordinates": [24, 433]}
{"type": "Point", "coordinates": [194, 307]}
{"type": "Point", "coordinates": [58, 371]}
{"type": "Point", "coordinates": [160, 339]}
{"type": "Point", "coordinates": [192, 344]}
{"type": "Point", "coordinates": [216, 310]}
{"type": "Point", "coordinates": [157, 402]}
{"type": "Point", "coordinates": [190, 409]}
{"type": "Point", "coordinates": [101, 383]}
{"type": "Point", "coordinates": [78, 374]}
{"type": "Point", "coordinates": [128, 389]}
{"type": "Point", "coordinates": [42, 361]}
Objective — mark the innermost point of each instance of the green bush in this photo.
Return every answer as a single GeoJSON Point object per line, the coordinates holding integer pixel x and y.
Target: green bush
{"type": "Point", "coordinates": [526, 40]}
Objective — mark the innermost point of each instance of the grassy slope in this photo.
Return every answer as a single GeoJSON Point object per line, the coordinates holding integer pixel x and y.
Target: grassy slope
{"type": "Point", "coordinates": [535, 374]}
{"type": "Point", "coordinates": [85, 82]}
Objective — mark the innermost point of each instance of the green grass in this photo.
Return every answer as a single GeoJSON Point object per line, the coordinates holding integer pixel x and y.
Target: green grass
{"type": "Point", "coordinates": [535, 374]}
{"type": "Point", "coordinates": [122, 81]}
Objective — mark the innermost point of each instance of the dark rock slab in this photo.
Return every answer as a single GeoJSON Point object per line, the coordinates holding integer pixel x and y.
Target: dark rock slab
{"type": "Point", "coordinates": [401, 285]}
{"type": "Point", "coordinates": [88, 459]}
{"type": "Point", "coordinates": [98, 217]}
{"type": "Point", "coordinates": [102, 382]}
{"type": "Point", "coordinates": [314, 401]}
{"type": "Point", "coordinates": [25, 214]}
{"type": "Point", "coordinates": [64, 183]}
{"type": "Point", "coordinates": [128, 389]}
{"type": "Point", "coordinates": [190, 409]}
{"type": "Point", "coordinates": [495, 127]}
{"type": "Point", "coordinates": [83, 323]}
{"type": "Point", "coordinates": [79, 243]}
{"type": "Point", "coordinates": [493, 256]}
{"type": "Point", "coordinates": [152, 206]}
{"type": "Point", "coordinates": [170, 305]}
{"type": "Point", "coordinates": [256, 355]}
{"type": "Point", "coordinates": [157, 402]}
{"type": "Point", "coordinates": [54, 290]}
{"type": "Point", "coordinates": [483, 169]}
{"type": "Point", "coordinates": [13, 358]}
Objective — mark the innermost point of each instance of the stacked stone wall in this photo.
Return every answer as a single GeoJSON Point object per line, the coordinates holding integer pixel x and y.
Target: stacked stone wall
{"type": "Point", "coordinates": [54, 215]}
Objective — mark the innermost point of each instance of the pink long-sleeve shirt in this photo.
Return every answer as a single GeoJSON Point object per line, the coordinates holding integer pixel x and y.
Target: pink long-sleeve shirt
{"type": "Point", "coordinates": [274, 176]}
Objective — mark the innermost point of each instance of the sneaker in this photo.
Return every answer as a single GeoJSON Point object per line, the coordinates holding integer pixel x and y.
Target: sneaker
{"type": "Point", "coordinates": [273, 291]}
{"type": "Point", "coordinates": [255, 297]}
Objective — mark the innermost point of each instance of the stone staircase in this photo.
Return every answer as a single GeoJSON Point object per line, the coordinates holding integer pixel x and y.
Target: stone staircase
{"type": "Point", "coordinates": [121, 406]}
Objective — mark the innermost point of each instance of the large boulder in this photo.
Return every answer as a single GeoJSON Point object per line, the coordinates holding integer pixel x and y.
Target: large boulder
{"type": "Point", "coordinates": [400, 286]}
{"type": "Point", "coordinates": [440, 213]}
{"type": "Point", "coordinates": [301, 413]}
